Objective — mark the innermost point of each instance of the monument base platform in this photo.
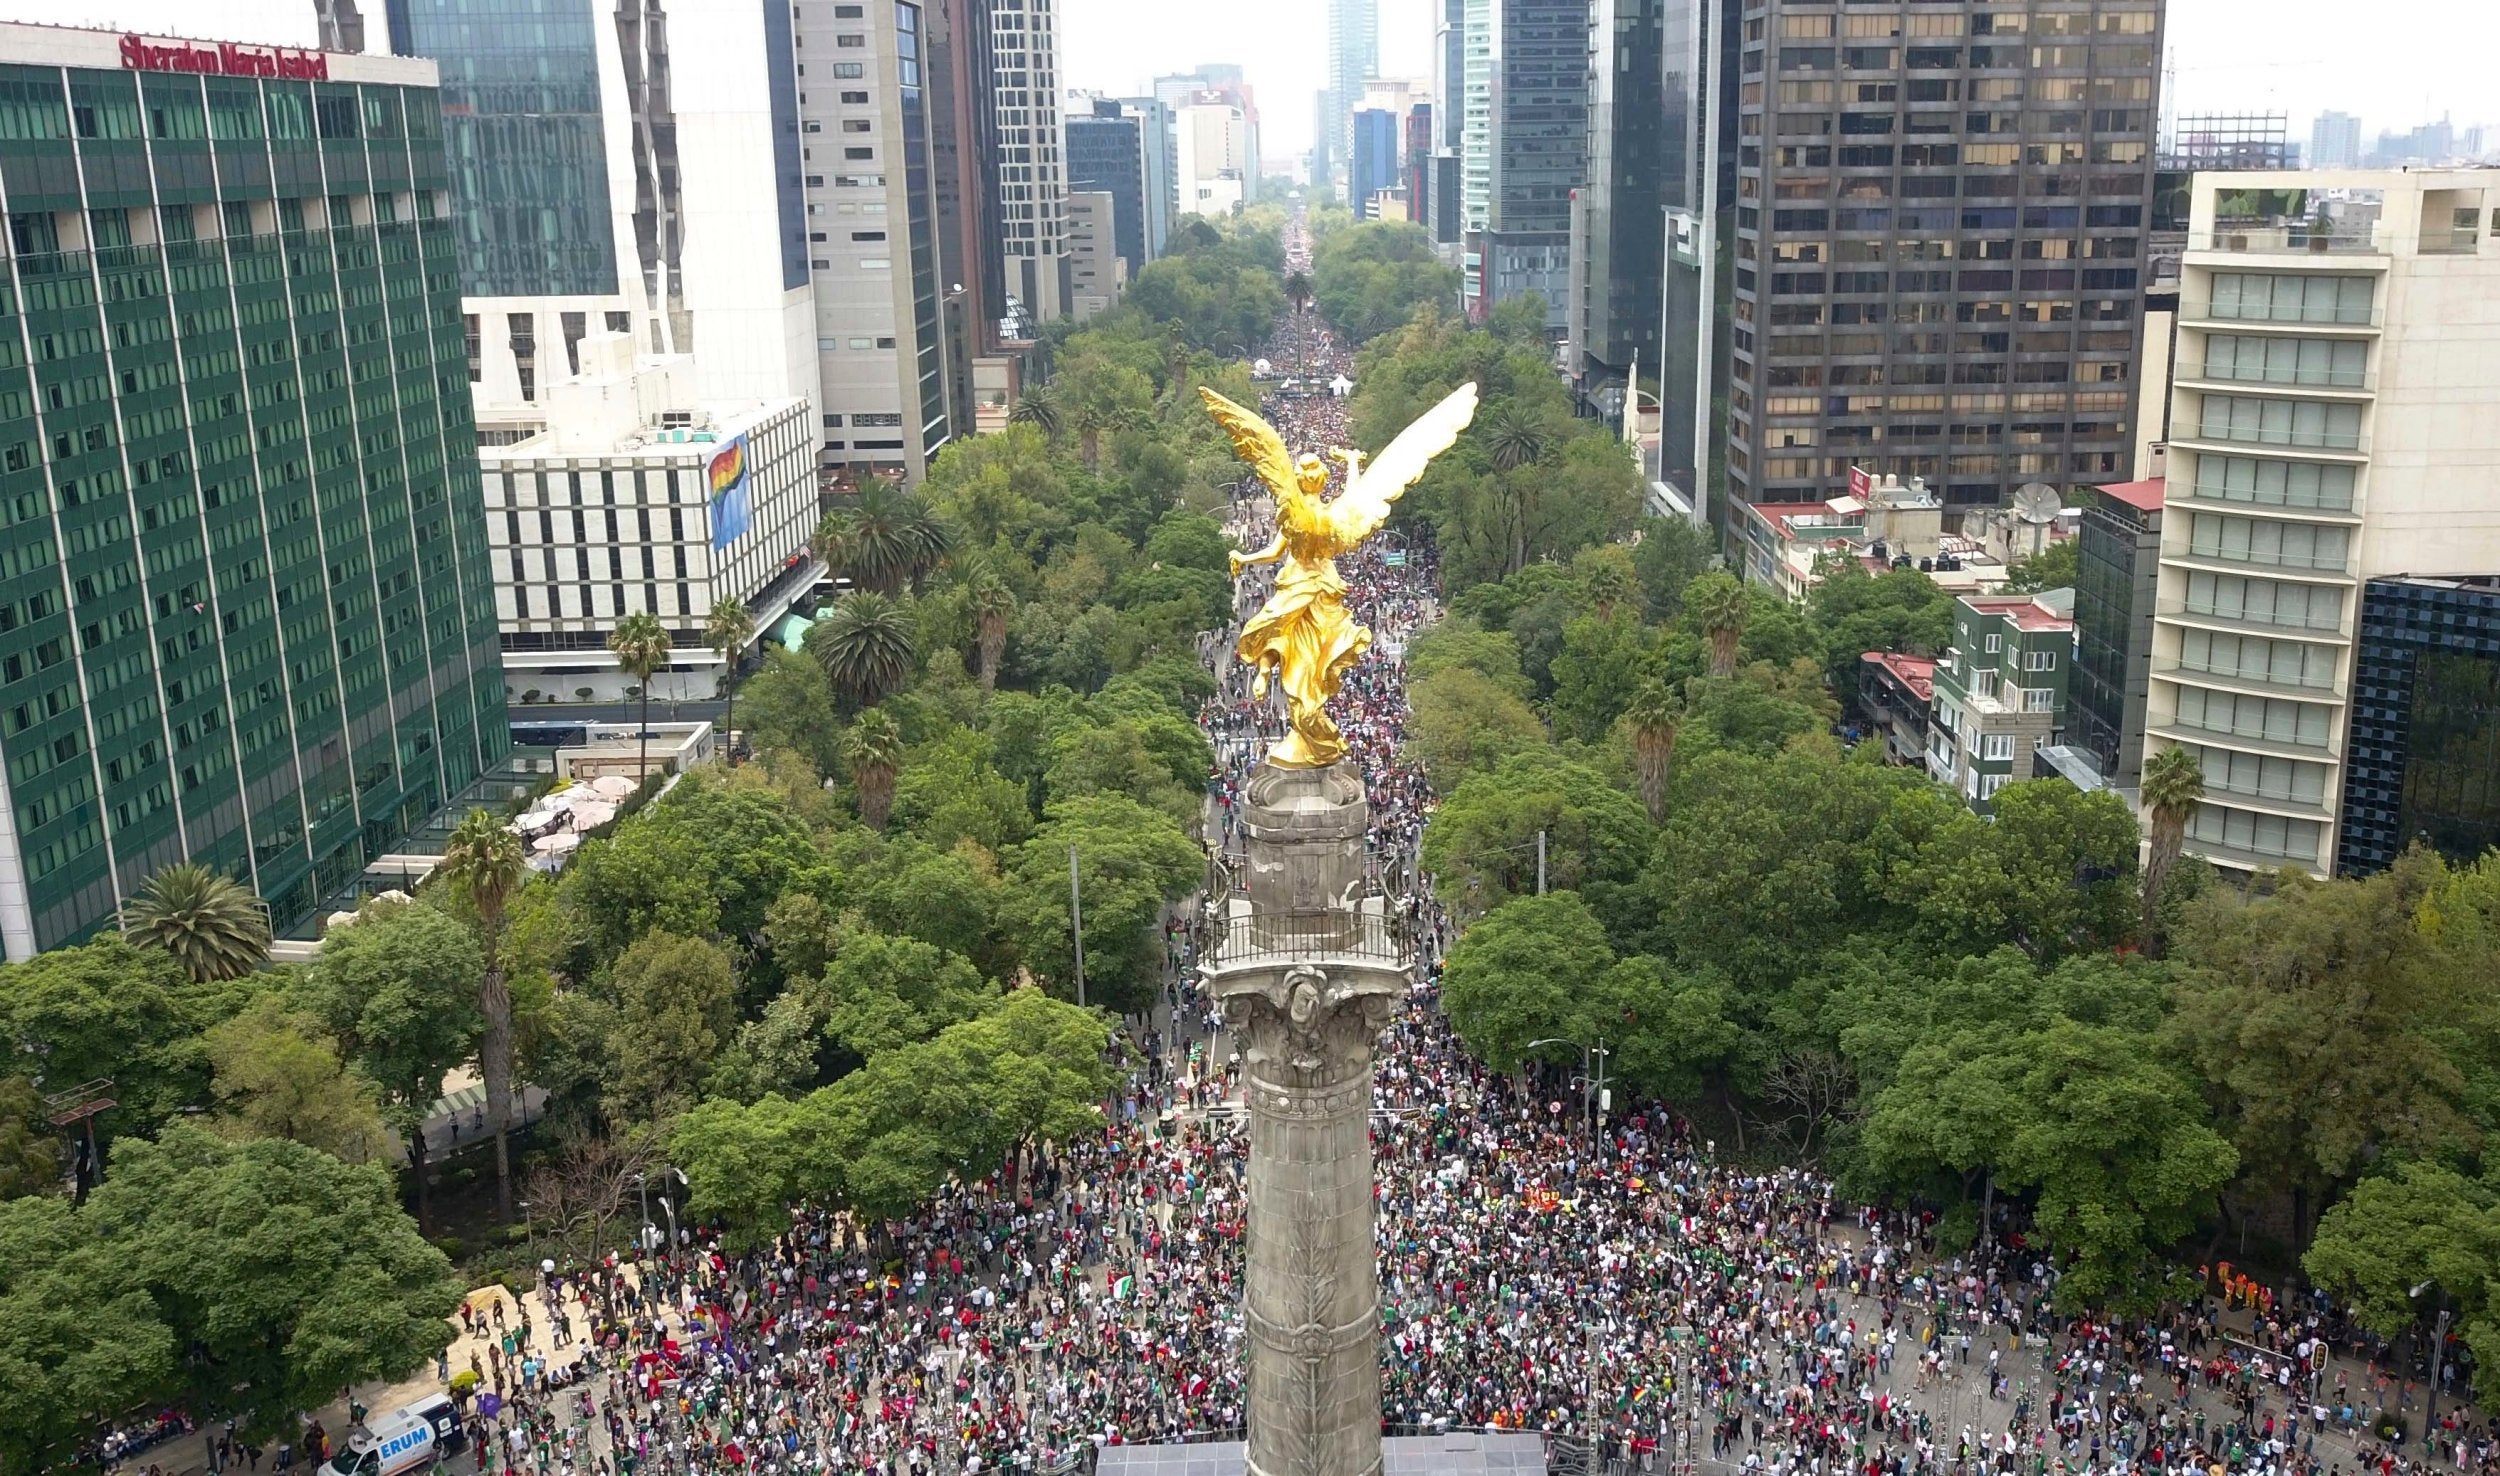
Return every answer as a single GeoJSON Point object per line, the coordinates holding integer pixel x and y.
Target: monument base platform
{"type": "Point", "coordinates": [1457, 1454]}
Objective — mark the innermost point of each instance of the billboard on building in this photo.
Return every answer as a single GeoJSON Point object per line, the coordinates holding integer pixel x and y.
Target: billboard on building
{"type": "Point", "coordinates": [733, 506]}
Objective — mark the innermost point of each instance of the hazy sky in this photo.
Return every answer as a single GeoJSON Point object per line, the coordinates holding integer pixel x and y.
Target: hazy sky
{"type": "Point", "coordinates": [2407, 63]}
{"type": "Point", "coordinates": [2410, 61]}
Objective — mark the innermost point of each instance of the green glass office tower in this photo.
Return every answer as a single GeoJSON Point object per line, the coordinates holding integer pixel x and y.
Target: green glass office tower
{"type": "Point", "coordinates": [245, 609]}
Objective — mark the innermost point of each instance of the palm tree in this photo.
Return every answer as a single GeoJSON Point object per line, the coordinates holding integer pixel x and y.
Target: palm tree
{"type": "Point", "coordinates": [1092, 417]}
{"type": "Point", "coordinates": [884, 540]}
{"type": "Point", "coordinates": [1039, 408]}
{"type": "Point", "coordinates": [1298, 291]}
{"type": "Point", "coordinates": [865, 647]}
{"type": "Point", "coordinates": [482, 861]}
{"type": "Point", "coordinates": [993, 606]}
{"type": "Point", "coordinates": [1717, 603]}
{"type": "Point", "coordinates": [211, 923]}
{"type": "Point", "coordinates": [875, 749]}
{"type": "Point", "coordinates": [2174, 784]}
{"type": "Point", "coordinates": [1514, 437]}
{"type": "Point", "coordinates": [1655, 714]}
{"type": "Point", "coordinates": [641, 646]}
{"type": "Point", "coordinates": [1610, 586]}
{"type": "Point", "coordinates": [726, 630]}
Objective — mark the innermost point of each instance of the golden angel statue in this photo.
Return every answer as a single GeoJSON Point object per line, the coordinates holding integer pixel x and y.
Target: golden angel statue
{"type": "Point", "coordinates": [1303, 639]}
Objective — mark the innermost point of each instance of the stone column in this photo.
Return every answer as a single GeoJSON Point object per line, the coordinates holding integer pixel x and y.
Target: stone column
{"type": "Point", "coordinates": [1307, 980]}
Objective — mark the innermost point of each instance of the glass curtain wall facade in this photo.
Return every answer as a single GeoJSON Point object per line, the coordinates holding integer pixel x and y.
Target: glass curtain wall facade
{"type": "Point", "coordinates": [245, 610]}
{"type": "Point", "coordinates": [522, 136]}
{"type": "Point", "coordinates": [1619, 230]}
{"type": "Point", "coordinates": [1939, 243]}
{"type": "Point", "coordinates": [2117, 579]}
{"type": "Point", "coordinates": [1107, 152]}
{"type": "Point", "coordinates": [2424, 752]}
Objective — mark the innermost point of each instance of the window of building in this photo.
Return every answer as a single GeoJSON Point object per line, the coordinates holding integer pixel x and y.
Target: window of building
{"type": "Point", "coordinates": [1994, 643]}
{"type": "Point", "coordinates": [1997, 747]}
{"type": "Point", "coordinates": [2039, 661]}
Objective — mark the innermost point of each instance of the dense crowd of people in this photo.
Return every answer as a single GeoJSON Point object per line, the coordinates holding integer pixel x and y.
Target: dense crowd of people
{"type": "Point", "coordinates": [1608, 1280]}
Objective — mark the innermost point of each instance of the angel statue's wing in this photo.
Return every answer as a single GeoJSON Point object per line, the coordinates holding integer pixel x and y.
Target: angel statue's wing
{"type": "Point", "coordinates": [1254, 441]}
{"type": "Point", "coordinates": [1365, 506]}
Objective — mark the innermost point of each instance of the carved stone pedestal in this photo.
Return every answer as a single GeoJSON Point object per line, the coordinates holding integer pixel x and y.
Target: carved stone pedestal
{"type": "Point", "coordinates": [1307, 972]}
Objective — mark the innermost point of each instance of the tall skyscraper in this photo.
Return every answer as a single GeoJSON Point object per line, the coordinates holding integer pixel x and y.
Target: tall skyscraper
{"type": "Point", "coordinates": [610, 170]}
{"type": "Point", "coordinates": [245, 615]}
{"type": "Point", "coordinates": [1111, 149]}
{"type": "Point", "coordinates": [2318, 441]}
{"type": "Point", "coordinates": [1939, 246]}
{"type": "Point", "coordinates": [1438, 206]}
{"type": "Point", "coordinates": [1372, 166]}
{"type": "Point", "coordinates": [1618, 219]}
{"type": "Point", "coordinates": [873, 249]}
{"type": "Point", "coordinates": [1698, 154]}
{"type": "Point", "coordinates": [1529, 153]}
{"type": "Point", "coordinates": [1033, 179]}
{"type": "Point", "coordinates": [963, 152]}
{"type": "Point", "coordinates": [1353, 58]}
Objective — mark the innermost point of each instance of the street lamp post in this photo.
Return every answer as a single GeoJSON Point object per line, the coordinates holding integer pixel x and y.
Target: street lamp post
{"type": "Point", "coordinates": [1592, 1077]}
{"type": "Point", "coordinates": [2439, 1349]}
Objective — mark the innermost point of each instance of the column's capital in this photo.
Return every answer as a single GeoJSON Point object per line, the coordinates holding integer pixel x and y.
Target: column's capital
{"type": "Point", "coordinates": [1306, 1025]}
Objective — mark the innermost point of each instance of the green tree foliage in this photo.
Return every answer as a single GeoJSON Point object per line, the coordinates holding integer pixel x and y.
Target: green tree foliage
{"type": "Point", "coordinates": [1856, 612]}
{"type": "Point", "coordinates": [1516, 975]}
{"type": "Point", "coordinates": [284, 1275]}
{"type": "Point", "coordinates": [676, 1001]}
{"type": "Point", "coordinates": [1602, 665]}
{"type": "Point", "coordinates": [279, 1076]}
{"type": "Point", "coordinates": [1029, 1071]}
{"type": "Point", "coordinates": [1132, 862]}
{"type": "Point", "coordinates": [77, 1335]}
{"type": "Point", "coordinates": [2417, 1222]}
{"type": "Point", "coordinates": [2052, 870]}
{"type": "Point", "coordinates": [789, 707]}
{"type": "Point", "coordinates": [865, 647]}
{"type": "Point", "coordinates": [2110, 1139]}
{"type": "Point", "coordinates": [884, 539]}
{"type": "Point", "coordinates": [710, 857]}
{"type": "Point", "coordinates": [882, 992]}
{"type": "Point", "coordinates": [1481, 843]}
{"type": "Point", "coordinates": [30, 1157]}
{"type": "Point", "coordinates": [2315, 1014]}
{"type": "Point", "coordinates": [397, 989]}
{"type": "Point", "coordinates": [109, 1009]}
{"type": "Point", "coordinates": [1580, 487]}
{"type": "Point", "coordinates": [1466, 723]}
{"type": "Point", "coordinates": [1668, 555]}
{"type": "Point", "coordinates": [2053, 567]}
{"type": "Point", "coordinates": [1371, 277]}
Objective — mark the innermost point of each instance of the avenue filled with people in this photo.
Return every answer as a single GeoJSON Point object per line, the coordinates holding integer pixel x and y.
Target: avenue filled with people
{"type": "Point", "coordinates": [1608, 1279]}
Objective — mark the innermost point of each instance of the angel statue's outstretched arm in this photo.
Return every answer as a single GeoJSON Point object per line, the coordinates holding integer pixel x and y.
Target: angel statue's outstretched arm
{"type": "Point", "coordinates": [1359, 513]}
{"type": "Point", "coordinates": [1275, 550]}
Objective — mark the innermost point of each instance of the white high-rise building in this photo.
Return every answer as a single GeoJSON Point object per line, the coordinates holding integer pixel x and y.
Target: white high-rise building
{"type": "Point", "coordinates": [629, 167]}
{"type": "Point", "coordinates": [643, 495]}
{"type": "Point", "coordinates": [1033, 176]}
{"type": "Point", "coordinates": [864, 135]}
{"type": "Point", "coordinates": [1214, 158]}
{"type": "Point", "coordinates": [2332, 401]}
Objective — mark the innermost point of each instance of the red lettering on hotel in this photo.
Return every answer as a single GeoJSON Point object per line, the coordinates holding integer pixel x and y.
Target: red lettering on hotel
{"type": "Point", "coordinates": [224, 59]}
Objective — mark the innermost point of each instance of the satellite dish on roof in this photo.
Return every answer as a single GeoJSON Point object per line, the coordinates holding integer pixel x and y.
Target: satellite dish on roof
{"type": "Point", "coordinates": [2037, 502]}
